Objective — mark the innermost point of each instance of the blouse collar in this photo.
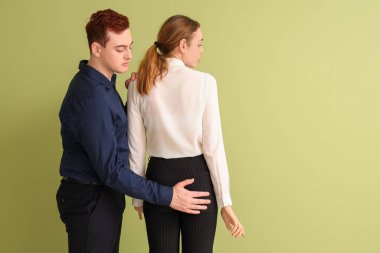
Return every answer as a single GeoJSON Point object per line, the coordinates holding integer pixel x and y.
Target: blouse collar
{"type": "Point", "coordinates": [175, 62]}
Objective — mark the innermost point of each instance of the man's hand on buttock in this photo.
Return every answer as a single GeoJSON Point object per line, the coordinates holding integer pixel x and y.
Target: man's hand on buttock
{"type": "Point", "coordinates": [188, 201]}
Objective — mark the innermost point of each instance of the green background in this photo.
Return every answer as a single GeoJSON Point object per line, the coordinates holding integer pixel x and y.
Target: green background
{"type": "Point", "coordinates": [299, 98]}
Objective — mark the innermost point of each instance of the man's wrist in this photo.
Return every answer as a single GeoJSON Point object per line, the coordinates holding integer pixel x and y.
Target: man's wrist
{"type": "Point", "coordinates": [167, 195]}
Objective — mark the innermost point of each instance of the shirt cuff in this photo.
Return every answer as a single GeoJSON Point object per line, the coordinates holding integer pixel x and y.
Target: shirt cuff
{"type": "Point", "coordinates": [166, 194]}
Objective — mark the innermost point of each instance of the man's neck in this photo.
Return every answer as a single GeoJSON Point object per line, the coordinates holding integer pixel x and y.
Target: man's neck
{"type": "Point", "coordinates": [94, 63]}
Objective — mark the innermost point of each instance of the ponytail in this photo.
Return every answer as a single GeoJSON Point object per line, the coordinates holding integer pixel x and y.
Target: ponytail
{"type": "Point", "coordinates": [152, 66]}
{"type": "Point", "coordinates": [154, 63]}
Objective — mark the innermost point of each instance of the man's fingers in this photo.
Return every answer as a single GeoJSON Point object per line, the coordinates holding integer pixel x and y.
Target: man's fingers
{"type": "Point", "coordinates": [188, 201]}
{"type": "Point", "coordinates": [185, 182]}
{"type": "Point", "coordinates": [127, 82]}
{"type": "Point", "coordinates": [190, 211]}
{"type": "Point", "coordinates": [197, 207]}
{"type": "Point", "coordinates": [194, 201]}
{"type": "Point", "coordinates": [193, 209]}
{"type": "Point", "coordinates": [195, 194]}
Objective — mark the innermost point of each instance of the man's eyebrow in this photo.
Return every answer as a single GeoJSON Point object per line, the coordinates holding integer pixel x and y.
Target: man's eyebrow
{"type": "Point", "coordinates": [123, 46]}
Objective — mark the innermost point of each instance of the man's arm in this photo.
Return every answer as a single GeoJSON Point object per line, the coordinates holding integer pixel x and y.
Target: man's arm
{"type": "Point", "coordinates": [97, 134]}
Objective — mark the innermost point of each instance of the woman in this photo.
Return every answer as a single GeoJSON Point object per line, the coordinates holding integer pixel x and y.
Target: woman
{"type": "Point", "coordinates": [173, 113]}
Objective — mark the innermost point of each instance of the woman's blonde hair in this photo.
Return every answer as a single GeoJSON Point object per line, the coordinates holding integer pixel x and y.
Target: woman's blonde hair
{"type": "Point", "coordinates": [154, 63]}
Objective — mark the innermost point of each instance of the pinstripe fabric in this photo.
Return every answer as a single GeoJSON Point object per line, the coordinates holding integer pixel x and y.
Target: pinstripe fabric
{"type": "Point", "coordinates": [165, 225]}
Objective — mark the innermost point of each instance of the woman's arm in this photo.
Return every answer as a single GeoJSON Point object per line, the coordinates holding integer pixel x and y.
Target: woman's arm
{"type": "Point", "coordinates": [213, 150]}
{"type": "Point", "coordinates": [213, 146]}
{"type": "Point", "coordinates": [136, 136]}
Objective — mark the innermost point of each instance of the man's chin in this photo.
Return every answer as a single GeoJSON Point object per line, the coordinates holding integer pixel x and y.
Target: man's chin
{"type": "Point", "coordinates": [121, 70]}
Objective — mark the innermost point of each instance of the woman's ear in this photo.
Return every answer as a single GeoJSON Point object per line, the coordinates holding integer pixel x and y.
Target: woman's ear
{"type": "Point", "coordinates": [182, 45]}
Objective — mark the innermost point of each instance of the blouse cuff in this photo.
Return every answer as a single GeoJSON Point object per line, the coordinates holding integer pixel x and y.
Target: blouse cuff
{"type": "Point", "coordinates": [224, 201]}
{"type": "Point", "coordinates": [137, 202]}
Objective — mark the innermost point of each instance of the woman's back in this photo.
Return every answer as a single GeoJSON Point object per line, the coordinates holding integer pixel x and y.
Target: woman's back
{"type": "Point", "coordinates": [173, 111]}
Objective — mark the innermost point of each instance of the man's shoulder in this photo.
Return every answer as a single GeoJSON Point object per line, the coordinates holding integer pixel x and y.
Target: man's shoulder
{"type": "Point", "coordinates": [83, 87]}
{"type": "Point", "coordinates": [83, 93]}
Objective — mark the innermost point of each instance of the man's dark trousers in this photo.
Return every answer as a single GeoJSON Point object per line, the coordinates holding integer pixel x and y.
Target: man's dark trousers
{"type": "Point", "coordinates": [92, 215]}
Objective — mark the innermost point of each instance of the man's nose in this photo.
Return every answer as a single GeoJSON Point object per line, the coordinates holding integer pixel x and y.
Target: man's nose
{"type": "Point", "coordinates": [128, 54]}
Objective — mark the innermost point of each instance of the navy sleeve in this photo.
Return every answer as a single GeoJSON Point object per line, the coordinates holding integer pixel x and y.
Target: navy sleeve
{"type": "Point", "coordinates": [97, 134]}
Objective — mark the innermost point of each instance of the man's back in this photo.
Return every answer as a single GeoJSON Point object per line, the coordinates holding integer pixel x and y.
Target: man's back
{"type": "Point", "coordinates": [90, 94]}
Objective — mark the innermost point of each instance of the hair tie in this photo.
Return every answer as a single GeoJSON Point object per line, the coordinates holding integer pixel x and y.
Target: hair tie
{"type": "Point", "coordinates": [157, 44]}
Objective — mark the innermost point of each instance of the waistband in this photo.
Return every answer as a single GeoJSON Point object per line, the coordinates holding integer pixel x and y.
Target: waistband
{"type": "Point", "coordinates": [73, 180]}
{"type": "Point", "coordinates": [181, 162]}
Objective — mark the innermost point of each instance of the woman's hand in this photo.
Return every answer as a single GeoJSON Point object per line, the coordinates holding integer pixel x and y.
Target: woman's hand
{"type": "Point", "coordinates": [129, 80]}
{"type": "Point", "coordinates": [139, 210]}
{"type": "Point", "coordinates": [232, 222]}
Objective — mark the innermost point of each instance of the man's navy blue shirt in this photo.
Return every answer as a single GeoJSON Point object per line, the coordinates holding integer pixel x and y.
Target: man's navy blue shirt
{"type": "Point", "coordinates": [94, 137]}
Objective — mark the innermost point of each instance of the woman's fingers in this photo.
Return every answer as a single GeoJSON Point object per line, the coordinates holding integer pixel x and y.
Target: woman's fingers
{"type": "Point", "coordinates": [228, 225]}
{"type": "Point", "coordinates": [235, 231]}
{"type": "Point", "coordinates": [139, 210]}
{"type": "Point", "coordinates": [239, 232]}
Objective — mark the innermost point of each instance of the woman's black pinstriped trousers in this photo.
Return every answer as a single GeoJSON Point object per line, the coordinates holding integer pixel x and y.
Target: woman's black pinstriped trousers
{"type": "Point", "coordinates": [165, 226]}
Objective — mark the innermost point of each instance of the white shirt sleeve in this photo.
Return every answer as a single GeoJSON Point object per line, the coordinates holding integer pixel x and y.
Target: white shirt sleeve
{"type": "Point", "coordinates": [136, 136]}
{"type": "Point", "coordinates": [213, 147]}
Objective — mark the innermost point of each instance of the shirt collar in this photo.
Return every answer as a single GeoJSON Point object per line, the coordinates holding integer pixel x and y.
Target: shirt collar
{"type": "Point", "coordinates": [96, 75]}
{"type": "Point", "coordinates": [175, 62]}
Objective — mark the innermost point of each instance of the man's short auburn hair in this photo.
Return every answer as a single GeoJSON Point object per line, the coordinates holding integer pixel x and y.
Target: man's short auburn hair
{"type": "Point", "coordinates": [102, 22]}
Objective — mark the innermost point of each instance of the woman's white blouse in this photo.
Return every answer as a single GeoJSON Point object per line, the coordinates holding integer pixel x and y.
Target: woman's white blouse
{"type": "Point", "coordinates": [179, 118]}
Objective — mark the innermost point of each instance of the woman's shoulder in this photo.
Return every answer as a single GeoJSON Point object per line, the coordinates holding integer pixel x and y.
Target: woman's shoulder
{"type": "Point", "coordinates": [132, 90]}
{"type": "Point", "coordinates": [206, 77]}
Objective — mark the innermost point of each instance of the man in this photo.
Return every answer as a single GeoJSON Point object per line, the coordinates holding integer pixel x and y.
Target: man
{"type": "Point", "coordinates": [94, 166]}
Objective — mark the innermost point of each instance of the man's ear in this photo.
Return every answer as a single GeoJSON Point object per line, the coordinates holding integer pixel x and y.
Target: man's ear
{"type": "Point", "coordinates": [182, 45]}
{"type": "Point", "coordinates": [96, 49]}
